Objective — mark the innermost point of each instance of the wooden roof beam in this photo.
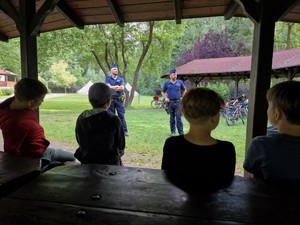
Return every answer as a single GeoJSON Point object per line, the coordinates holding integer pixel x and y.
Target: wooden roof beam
{"type": "Point", "coordinates": [3, 38]}
{"type": "Point", "coordinates": [116, 12]}
{"type": "Point", "coordinates": [251, 9]}
{"type": "Point", "coordinates": [178, 11]}
{"type": "Point", "coordinates": [65, 9]}
{"type": "Point", "coordinates": [231, 10]}
{"type": "Point", "coordinates": [40, 16]}
{"type": "Point", "coordinates": [284, 7]}
{"type": "Point", "coordinates": [9, 10]}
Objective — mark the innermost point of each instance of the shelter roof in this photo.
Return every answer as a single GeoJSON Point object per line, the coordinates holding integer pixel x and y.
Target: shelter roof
{"type": "Point", "coordinates": [227, 67]}
{"type": "Point", "coordinates": [69, 13]}
{"type": "Point", "coordinates": [6, 72]}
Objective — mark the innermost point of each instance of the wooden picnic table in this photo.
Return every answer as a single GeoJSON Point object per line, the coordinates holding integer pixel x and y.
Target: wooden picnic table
{"type": "Point", "coordinates": [15, 171]}
{"type": "Point", "coordinates": [102, 194]}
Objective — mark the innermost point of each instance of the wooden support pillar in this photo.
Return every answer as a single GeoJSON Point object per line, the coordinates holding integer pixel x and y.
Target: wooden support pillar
{"type": "Point", "coordinates": [236, 84]}
{"type": "Point", "coordinates": [28, 43]}
{"type": "Point", "coordinates": [262, 54]}
{"type": "Point", "coordinates": [260, 76]}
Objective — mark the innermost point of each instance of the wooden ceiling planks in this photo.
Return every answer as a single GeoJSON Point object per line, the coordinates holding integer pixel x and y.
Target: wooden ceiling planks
{"type": "Point", "coordinates": [103, 12]}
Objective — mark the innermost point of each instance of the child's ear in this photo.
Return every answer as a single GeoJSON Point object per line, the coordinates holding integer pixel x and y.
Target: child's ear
{"type": "Point", "coordinates": [215, 118]}
{"type": "Point", "coordinates": [30, 103]}
{"type": "Point", "coordinates": [107, 104]}
{"type": "Point", "coordinates": [278, 114]}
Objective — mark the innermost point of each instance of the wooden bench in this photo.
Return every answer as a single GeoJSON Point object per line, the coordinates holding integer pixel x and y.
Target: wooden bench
{"type": "Point", "coordinates": [101, 194]}
{"type": "Point", "coordinates": [15, 171]}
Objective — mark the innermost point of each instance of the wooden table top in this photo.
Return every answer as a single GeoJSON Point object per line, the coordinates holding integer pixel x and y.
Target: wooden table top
{"type": "Point", "coordinates": [101, 194]}
{"type": "Point", "coordinates": [15, 171]}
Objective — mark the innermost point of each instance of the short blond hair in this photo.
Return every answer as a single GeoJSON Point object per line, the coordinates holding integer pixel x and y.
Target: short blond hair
{"type": "Point", "coordinates": [286, 97]}
{"type": "Point", "coordinates": [198, 104]}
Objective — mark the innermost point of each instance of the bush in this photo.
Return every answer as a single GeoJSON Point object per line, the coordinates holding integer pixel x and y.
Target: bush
{"type": "Point", "coordinates": [243, 88]}
{"type": "Point", "coordinates": [6, 91]}
{"type": "Point", "coordinates": [221, 88]}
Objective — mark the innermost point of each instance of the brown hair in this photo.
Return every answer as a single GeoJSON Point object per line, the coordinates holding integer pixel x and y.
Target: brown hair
{"type": "Point", "coordinates": [198, 104]}
{"type": "Point", "coordinates": [286, 97]}
{"type": "Point", "coordinates": [28, 89]}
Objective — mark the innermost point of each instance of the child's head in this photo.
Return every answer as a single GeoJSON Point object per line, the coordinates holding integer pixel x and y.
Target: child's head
{"type": "Point", "coordinates": [100, 94]}
{"type": "Point", "coordinates": [285, 96]}
{"type": "Point", "coordinates": [30, 89]}
{"type": "Point", "coordinates": [199, 104]}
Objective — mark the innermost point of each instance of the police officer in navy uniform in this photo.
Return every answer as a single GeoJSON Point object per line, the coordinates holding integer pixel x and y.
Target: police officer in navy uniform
{"type": "Point", "coordinates": [172, 92]}
{"type": "Point", "coordinates": [117, 104]}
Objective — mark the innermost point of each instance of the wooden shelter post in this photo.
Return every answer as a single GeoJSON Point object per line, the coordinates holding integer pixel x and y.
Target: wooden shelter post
{"type": "Point", "coordinates": [28, 42]}
{"type": "Point", "coordinates": [261, 65]}
{"type": "Point", "coordinates": [236, 85]}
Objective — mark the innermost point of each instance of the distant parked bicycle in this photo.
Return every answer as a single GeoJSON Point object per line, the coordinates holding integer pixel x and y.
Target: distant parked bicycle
{"type": "Point", "coordinates": [233, 114]}
{"type": "Point", "coordinates": [235, 109]}
{"type": "Point", "coordinates": [158, 103]}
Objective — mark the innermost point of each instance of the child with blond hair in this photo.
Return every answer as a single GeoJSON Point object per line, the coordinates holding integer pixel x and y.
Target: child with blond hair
{"type": "Point", "coordinates": [276, 157]}
{"type": "Point", "coordinates": [196, 155]}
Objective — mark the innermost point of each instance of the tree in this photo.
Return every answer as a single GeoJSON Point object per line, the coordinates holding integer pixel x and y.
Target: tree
{"type": "Point", "coordinates": [287, 36]}
{"type": "Point", "coordinates": [238, 30]}
{"type": "Point", "coordinates": [60, 76]}
{"type": "Point", "coordinates": [213, 45]}
{"type": "Point", "coordinates": [10, 56]}
{"type": "Point", "coordinates": [136, 48]}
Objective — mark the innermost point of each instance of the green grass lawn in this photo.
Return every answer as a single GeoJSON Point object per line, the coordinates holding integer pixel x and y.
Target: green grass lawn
{"type": "Point", "coordinates": [148, 128]}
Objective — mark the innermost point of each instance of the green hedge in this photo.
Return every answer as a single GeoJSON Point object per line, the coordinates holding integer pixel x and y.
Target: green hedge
{"type": "Point", "coordinates": [6, 91]}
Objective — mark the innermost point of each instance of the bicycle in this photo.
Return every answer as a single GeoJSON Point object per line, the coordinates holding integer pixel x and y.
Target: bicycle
{"type": "Point", "coordinates": [157, 103]}
{"type": "Point", "coordinates": [233, 114]}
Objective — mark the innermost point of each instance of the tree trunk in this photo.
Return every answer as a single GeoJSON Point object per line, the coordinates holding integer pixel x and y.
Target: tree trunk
{"type": "Point", "coordinates": [140, 62]}
{"type": "Point", "coordinates": [289, 34]}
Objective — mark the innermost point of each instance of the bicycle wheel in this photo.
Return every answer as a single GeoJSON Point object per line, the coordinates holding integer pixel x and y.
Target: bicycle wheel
{"type": "Point", "coordinates": [230, 120]}
{"type": "Point", "coordinates": [241, 117]}
{"type": "Point", "coordinates": [156, 104]}
{"type": "Point", "coordinates": [164, 104]}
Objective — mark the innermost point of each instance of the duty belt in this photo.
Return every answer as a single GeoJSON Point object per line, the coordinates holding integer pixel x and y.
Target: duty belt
{"type": "Point", "coordinates": [175, 100]}
{"type": "Point", "coordinates": [120, 98]}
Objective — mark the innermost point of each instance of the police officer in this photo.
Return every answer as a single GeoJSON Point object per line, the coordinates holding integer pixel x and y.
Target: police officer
{"type": "Point", "coordinates": [117, 84]}
{"type": "Point", "coordinates": [172, 92]}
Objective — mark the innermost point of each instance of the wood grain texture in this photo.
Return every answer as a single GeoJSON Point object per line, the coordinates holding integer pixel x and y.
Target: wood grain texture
{"type": "Point", "coordinates": [147, 195]}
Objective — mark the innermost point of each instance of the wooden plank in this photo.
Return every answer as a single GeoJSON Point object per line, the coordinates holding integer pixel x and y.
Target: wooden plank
{"type": "Point", "coordinates": [149, 191]}
{"type": "Point", "coordinates": [15, 171]}
{"type": "Point", "coordinates": [17, 212]}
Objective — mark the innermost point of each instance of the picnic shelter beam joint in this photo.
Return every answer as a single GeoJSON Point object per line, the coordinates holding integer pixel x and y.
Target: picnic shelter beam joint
{"type": "Point", "coordinates": [251, 9]}
{"type": "Point", "coordinates": [116, 12]}
{"type": "Point", "coordinates": [231, 10]}
{"type": "Point", "coordinates": [67, 11]}
{"type": "Point", "coordinates": [40, 16]}
{"type": "Point", "coordinates": [9, 10]}
{"type": "Point", "coordinates": [3, 38]}
{"type": "Point", "coordinates": [283, 7]}
{"type": "Point", "coordinates": [178, 11]}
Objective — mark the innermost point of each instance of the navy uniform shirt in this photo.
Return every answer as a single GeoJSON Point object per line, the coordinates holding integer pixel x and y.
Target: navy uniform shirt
{"type": "Point", "coordinates": [119, 81]}
{"type": "Point", "coordinates": [173, 90]}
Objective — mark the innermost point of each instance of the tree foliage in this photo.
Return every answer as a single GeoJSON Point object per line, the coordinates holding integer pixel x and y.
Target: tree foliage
{"type": "Point", "coordinates": [10, 56]}
{"type": "Point", "coordinates": [287, 36]}
{"type": "Point", "coordinates": [60, 76]}
{"type": "Point", "coordinates": [136, 48]}
{"type": "Point", "coordinates": [213, 45]}
{"type": "Point", "coordinates": [85, 50]}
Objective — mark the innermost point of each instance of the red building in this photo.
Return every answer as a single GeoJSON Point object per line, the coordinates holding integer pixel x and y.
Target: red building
{"type": "Point", "coordinates": [7, 78]}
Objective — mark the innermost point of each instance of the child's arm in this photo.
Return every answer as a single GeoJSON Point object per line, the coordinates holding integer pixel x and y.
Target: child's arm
{"type": "Point", "coordinates": [35, 143]}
